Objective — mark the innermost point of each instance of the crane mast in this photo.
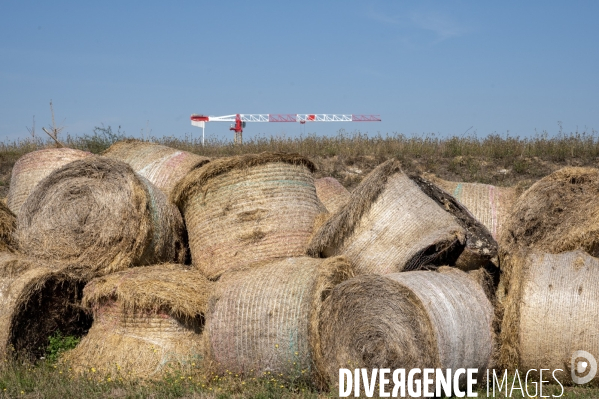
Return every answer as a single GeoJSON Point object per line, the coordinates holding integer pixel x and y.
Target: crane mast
{"type": "Point", "coordinates": [240, 120]}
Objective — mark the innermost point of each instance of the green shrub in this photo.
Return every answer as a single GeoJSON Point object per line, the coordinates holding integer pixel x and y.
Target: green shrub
{"type": "Point", "coordinates": [58, 344]}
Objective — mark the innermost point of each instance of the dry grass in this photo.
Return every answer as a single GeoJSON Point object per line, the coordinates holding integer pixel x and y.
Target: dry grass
{"type": "Point", "coordinates": [50, 381]}
{"type": "Point", "coordinates": [495, 159]}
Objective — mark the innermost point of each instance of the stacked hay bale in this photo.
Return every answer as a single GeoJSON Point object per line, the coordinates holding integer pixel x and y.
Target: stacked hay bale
{"type": "Point", "coordinates": [32, 168]}
{"type": "Point", "coordinates": [393, 222]}
{"type": "Point", "coordinates": [264, 318]}
{"type": "Point", "coordinates": [555, 215]}
{"type": "Point", "coordinates": [36, 300]}
{"type": "Point", "coordinates": [331, 193]}
{"type": "Point", "coordinates": [147, 322]}
{"type": "Point", "coordinates": [561, 285]}
{"type": "Point", "coordinates": [8, 224]}
{"type": "Point", "coordinates": [489, 204]}
{"type": "Point", "coordinates": [161, 165]}
{"type": "Point", "coordinates": [248, 209]}
{"type": "Point", "coordinates": [98, 214]}
{"type": "Point", "coordinates": [419, 319]}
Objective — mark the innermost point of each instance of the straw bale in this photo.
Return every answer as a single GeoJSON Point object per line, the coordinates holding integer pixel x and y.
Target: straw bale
{"type": "Point", "coordinates": [419, 319]}
{"type": "Point", "coordinates": [163, 166]}
{"type": "Point", "coordinates": [147, 322]}
{"type": "Point", "coordinates": [248, 209]}
{"type": "Point", "coordinates": [8, 224]}
{"type": "Point", "coordinates": [558, 213]}
{"type": "Point", "coordinates": [489, 204]}
{"type": "Point", "coordinates": [331, 193]}
{"type": "Point", "coordinates": [264, 318]}
{"type": "Point", "coordinates": [32, 168]}
{"type": "Point", "coordinates": [181, 290]}
{"type": "Point", "coordinates": [97, 213]}
{"type": "Point", "coordinates": [37, 299]}
{"type": "Point", "coordinates": [389, 224]}
{"type": "Point", "coordinates": [551, 312]}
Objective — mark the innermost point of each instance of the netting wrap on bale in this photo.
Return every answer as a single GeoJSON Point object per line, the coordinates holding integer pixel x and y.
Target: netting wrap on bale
{"type": "Point", "coordinates": [32, 168]}
{"type": "Point", "coordinates": [420, 319]}
{"type": "Point", "coordinates": [97, 213]}
{"type": "Point", "coordinates": [163, 166]}
{"type": "Point", "coordinates": [147, 322]}
{"type": "Point", "coordinates": [489, 204]}
{"type": "Point", "coordinates": [481, 248]}
{"type": "Point", "coordinates": [37, 299]}
{"type": "Point", "coordinates": [248, 209]}
{"type": "Point", "coordinates": [331, 193]}
{"type": "Point", "coordinates": [389, 225]}
{"type": "Point", "coordinates": [8, 224]}
{"type": "Point", "coordinates": [551, 312]}
{"type": "Point", "coordinates": [265, 318]}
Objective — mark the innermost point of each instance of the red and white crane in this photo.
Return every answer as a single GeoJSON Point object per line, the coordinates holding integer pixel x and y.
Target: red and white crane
{"type": "Point", "coordinates": [241, 119]}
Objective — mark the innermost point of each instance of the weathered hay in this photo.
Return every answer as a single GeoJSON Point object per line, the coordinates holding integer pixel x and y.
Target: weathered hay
{"type": "Point", "coordinates": [389, 225]}
{"type": "Point", "coordinates": [147, 322]}
{"type": "Point", "coordinates": [481, 247]}
{"type": "Point", "coordinates": [489, 204]}
{"type": "Point", "coordinates": [331, 193]}
{"type": "Point", "coordinates": [558, 213]}
{"type": "Point", "coordinates": [421, 319]}
{"type": "Point", "coordinates": [98, 214]}
{"type": "Point", "coordinates": [8, 224]}
{"type": "Point", "coordinates": [32, 168]}
{"type": "Point", "coordinates": [264, 318]}
{"type": "Point", "coordinates": [163, 166]}
{"type": "Point", "coordinates": [551, 312]}
{"type": "Point", "coordinates": [248, 209]}
{"type": "Point", "coordinates": [37, 299]}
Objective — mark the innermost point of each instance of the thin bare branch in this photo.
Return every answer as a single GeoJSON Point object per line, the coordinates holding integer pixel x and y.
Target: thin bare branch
{"type": "Point", "coordinates": [32, 130]}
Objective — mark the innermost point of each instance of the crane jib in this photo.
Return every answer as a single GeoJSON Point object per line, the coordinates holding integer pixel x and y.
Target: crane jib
{"type": "Point", "coordinates": [239, 120]}
{"type": "Point", "coordinates": [302, 118]}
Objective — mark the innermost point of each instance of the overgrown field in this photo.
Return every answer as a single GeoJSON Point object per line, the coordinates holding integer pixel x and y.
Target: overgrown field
{"type": "Point", "coordinates": [495, 159]}
{"type": "Point", "coordinates": [499, 160]}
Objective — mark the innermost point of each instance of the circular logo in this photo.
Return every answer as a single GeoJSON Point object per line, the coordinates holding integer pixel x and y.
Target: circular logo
{"type": "Point", "coordinates": [583, 367]}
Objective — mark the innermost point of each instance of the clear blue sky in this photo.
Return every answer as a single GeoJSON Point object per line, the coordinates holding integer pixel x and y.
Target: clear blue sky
{"type": "Point", "coordinates": [425, 66]}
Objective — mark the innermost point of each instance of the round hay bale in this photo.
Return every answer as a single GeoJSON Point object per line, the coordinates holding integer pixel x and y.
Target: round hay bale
{"type": "Point", "coordinates": [147, 322]}
{"type": "Point", "coordinates": [37, 299]}
{"type": "Point", "coordinates": [420, 319]}
{"type": "Point", "coordinates": [481, 247]}
{"type": "Point", "coordinates": [248, 208]}
{"type": "Point", "coordinates": [331, 193]}
{"type": "Point", "coordinates": [388, 225]}
{"type": "Point", "coordinates": [558, 213]}
{"type": "Point", "coordinates": [163, 166]}
{"type": "Point", "coordinates": [97, 213]}
{"type": "Point", "coordinates": [551, 312]}
{"type": "Point", "coordinates": [8, 224]}
{"type": "Point", "coordinates": [32, 168]}
{"type": "Point", "coordinates": [489, 204]}
{"type": "Point", "coordinates": [264, 318]}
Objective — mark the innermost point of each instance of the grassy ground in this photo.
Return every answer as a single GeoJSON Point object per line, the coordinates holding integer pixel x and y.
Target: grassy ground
{"type": "Point", "coordinates": [348, 157]}
{"type": "Point", "coordinates": [47, 380]}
